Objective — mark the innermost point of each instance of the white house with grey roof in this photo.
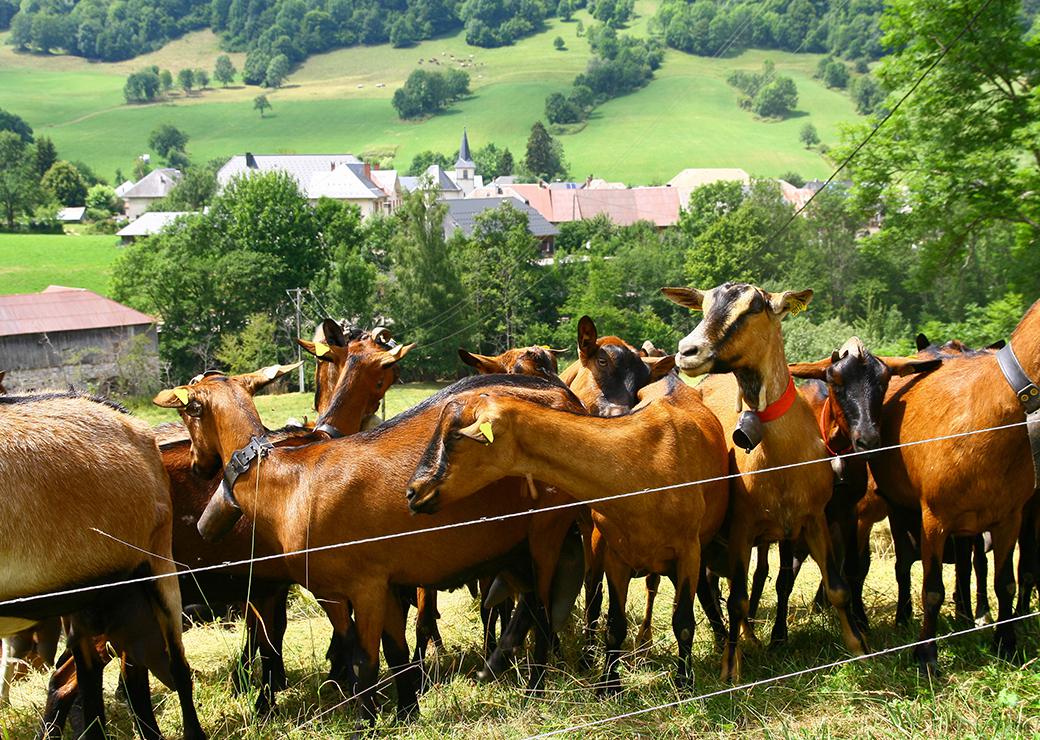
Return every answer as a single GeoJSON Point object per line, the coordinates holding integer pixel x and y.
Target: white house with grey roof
{"type": "Point", "coordinates": [150, 188]}
{"type": "Point", "coordinates": [462, 215]}
{"type": "Point", "coordinates": [342, 177]}
{"type": "Point", "coordinates": [450, 184]}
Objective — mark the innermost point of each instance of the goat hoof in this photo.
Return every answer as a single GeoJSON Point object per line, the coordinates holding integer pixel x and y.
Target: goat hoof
{"type": "Point", "coordinates": [1004, 645]}
{"type": "Point", "coordinates": [485, 675]}
{"type": "Point", "coordinates": [777, 642]}
{"type": "Point", "coordinates": [265, 707]}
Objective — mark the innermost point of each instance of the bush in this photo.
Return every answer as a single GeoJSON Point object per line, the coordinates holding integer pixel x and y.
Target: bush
{"type": "Point", "coordinates": [776, 99]}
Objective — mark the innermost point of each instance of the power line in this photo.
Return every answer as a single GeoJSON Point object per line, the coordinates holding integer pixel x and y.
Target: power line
{"type": "Point", "coordinates": [504, 517]}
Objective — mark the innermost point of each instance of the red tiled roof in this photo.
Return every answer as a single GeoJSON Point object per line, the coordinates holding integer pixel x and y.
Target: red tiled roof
{"type": "Point", "coordinates": [659, 205]}
{"type": "Point", "coordinates": [63, 309]}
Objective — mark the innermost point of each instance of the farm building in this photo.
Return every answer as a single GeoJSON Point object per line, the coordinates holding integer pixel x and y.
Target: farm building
{"type": "Point", "coordinates": [71, 336]}
{"type": "Point", "coordinates": [150, 188]}
{"type": "Point", "coordinates": [149, 224]}
{"type": "Point", "coordinates": [341, 177]}
{"type": "Point", "coordinates": [562, 202]}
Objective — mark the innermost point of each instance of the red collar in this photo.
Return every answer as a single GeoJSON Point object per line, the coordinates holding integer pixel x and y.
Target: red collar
{"type": "Point", "coordinates": [826, 417]}
{"type": "Point", "coordinates": [780, 406]}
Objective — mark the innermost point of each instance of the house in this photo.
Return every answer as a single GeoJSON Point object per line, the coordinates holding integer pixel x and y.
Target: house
{"type": "Point", "coordinates": [149, 224]}
{"type": "Point", "coordinates": [122, 189]}
{"type": "Point", "coordinates": [150, 188]}
{"type": "Point", "coordinates": [692, 178]}
{"type": "Point", "coordinates": [462, 215]}
{"type": "Point", "coordinates": [623, 206]}
{"type": "Point", "coordinates": [71, 336]}
{"type": "Point", "coordinates": [341, 177]}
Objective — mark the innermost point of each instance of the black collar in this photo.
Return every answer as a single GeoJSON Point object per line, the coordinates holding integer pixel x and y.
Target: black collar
{"type": "Point", "coordinates": [330, 430]}
{"type": "Point", "coordinates": [1025, 389]}
{"type": "Point", "coordinates": [240, 462]}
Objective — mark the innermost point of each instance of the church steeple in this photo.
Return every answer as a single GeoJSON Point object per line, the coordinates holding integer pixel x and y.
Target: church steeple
{"type": "Point", "coordinates": [465, 169]}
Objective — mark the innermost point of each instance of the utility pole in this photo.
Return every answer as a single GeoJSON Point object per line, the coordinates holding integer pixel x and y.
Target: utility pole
{"type": "Point", "coordinates": [297, 294]}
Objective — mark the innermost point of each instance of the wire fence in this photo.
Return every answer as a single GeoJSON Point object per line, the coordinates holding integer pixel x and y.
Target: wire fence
{"type": "Point", "coordinates": [502, 517]}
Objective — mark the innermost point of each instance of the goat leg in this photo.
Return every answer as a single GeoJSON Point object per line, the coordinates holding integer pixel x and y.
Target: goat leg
{"type": "Point", "coordinates": [134, 682]}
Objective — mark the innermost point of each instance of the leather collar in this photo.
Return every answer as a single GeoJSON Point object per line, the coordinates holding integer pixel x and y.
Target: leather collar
{"type": "Point", "coordinates": [330, 430]}
{"type": "Point", "coordinates": [240, 461]}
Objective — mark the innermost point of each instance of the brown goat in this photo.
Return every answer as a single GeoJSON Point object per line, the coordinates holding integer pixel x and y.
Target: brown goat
{"type": "Point", "coordinates": [349, 489]}
{"type": "Point", "coordinates": [96, 476]}
{"type": "Point", "coordinates": [520, 361]}
{"type": "Point", "coordinates": [740, 334]}
{"type": "Point", "coordinates": [964, 485]}
{"type": "Point", "coordinates": [669, 439]}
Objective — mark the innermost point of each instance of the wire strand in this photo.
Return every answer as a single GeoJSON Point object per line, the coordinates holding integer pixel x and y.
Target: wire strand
{"type": "Point", "coordinates": [513, 515]}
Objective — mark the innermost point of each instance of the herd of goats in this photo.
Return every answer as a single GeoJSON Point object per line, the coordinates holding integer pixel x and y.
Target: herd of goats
{"type": "Point", "coordinates": [532, 484]}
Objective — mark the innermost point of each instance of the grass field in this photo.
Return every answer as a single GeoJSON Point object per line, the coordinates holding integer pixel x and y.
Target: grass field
{"type": "Point", "coordinates": [31, 262]}
{"type": "Point", "coordinates": [979, 696]}
{"type": "Point", "coordinates": [686, 117]}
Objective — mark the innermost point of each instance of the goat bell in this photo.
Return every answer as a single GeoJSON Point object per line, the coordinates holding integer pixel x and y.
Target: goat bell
{"type": "Point", "coordinates": [748, 434]}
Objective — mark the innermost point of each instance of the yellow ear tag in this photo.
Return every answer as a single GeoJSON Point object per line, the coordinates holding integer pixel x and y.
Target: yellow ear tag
{"type": "Point", "coordinates": [320, 349]}
{"type": "Point", "coordinates": [797, 306]}
{"type": "Point", "coordinates": [545, 346]}
{"type": "Point", "coordinates": [485, 429]}
{"type": "Point", "coordinates": [182, 395]}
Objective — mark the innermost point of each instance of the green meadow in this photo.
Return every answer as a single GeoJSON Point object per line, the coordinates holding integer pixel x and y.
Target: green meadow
{"type": "Point", "coordinates": [340, 102]}
{"type": "Point", "coordinates": [31, 262]}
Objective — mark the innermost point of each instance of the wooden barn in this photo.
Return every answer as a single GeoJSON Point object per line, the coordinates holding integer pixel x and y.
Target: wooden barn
{"type": "Point", "coordinates": [71, 336]}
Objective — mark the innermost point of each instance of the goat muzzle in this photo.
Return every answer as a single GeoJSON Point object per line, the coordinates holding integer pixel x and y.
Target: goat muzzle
{"type": "Point", "coordinates": [220, 516]}
{"type": "Point", "coordinates": [422, 503]}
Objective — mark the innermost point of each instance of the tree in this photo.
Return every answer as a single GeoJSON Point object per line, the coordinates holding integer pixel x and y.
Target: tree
{"type": "Point", "coordinates": [186, 79]}
{"type": "Point", "coordinates": [960, 199]}
{"type": "Point", "coordinates": [559, 109]}
{"type": "Point", "coordinates": [195, 190]}
{"type": "Point", "coordinates": [349, 280]}
{"type": "Point", "coordinates": [559, 44]}
{"type": "Point", "coordinates": [544, 154]}
{"type": "Point", "coordinates": [808, 136]}
{"type": "Point", "coordinates": [102, 199]}
{"type": "Point", "coordinates": [166, 81]}
{"type": "Point", "coordinates": [224, 71]}
{"type": "Point", "coordinates": [836, 74]}
{"type": "Point", "coordinates": [45, 154]}
{"type": "Point", "coordinates": [261, 103]}
{"type": "Point", "coordinates": [142, 86]}
{"type": "Point", "coordinates": [18, 180]}
{"type": "Point", "coordinates": [277, 71]}
{"type": "Point", "coordinates": [15, 124]}
{"type": "Point", "coordinates": [422, 161]}
{"type": "Point", "coordinates": [426, 284]}
{"type": "Point", "coordinates": [776, 99]}
{"type": "Point", "coordinates": [252, 347]}
{"type": "Point", "coordinates": [866, 94]}
{"type": "Point", "coordinates": [201, 78]}
{"type": "Point", "coordinates": [493, 162]}
{"type": "Point", "coordinates": [565, 10]}
{"type": "Point", "coordinates": [166, 140]}
{"type": "Point", "coordinates": [500, 272]}
{"type": "Point", "coordinates": [64, 183]}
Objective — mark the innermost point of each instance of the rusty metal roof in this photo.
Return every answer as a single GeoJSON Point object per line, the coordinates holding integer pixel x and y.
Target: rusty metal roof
{"type": "Point", "coordinates": [63, 309]}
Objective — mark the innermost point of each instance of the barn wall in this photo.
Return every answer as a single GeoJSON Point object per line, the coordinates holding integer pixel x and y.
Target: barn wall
{"type": "Point", "coordinates": [86, 359]}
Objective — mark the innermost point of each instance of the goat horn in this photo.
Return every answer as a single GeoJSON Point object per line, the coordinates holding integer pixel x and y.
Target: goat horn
{"type": "Point", "coordinates": [532, 488]}
{"type": "Point", "coordinates": [381, 334]}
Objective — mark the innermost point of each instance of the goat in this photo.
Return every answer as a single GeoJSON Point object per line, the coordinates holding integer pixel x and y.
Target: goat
{"type": "Point", "coordinates": [845, 393]}
{"type": "Point", "coordinates": [607, 377]}
{"type": "Point", "coordinates": [95, 475]}
{"type": "Point", "coordinates": [348, 489]}
{"type": "Point", "coordinates": [521, 361]}
{"type": "Point", "coordinates": [962, 485]}
{"type": "Point", "coordinates": [740, 334]}
{"type": "Point", "coordinates": [668, 439]}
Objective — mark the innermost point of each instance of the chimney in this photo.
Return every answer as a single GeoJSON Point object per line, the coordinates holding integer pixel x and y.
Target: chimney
{"type": "Point", "coordinates": [368, 171]}
{"type": "Point", "coordinates": [251, 161]}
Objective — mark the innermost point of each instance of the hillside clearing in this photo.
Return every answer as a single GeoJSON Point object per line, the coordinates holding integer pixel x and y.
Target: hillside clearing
{"type": "Point", "coordinates": [686, 117]}
{"type": "Point", "coordinates": [31, 262]}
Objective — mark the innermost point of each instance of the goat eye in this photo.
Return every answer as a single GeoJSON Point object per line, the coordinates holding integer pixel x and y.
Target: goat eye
{"type": "Point", "coordinates": [602, 361]}
{"type": "Point", "coordinates": [194, 408]}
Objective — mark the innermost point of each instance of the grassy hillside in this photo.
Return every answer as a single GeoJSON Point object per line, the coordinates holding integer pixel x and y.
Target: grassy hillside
{"type": "Point", "coordinates": [31, 262]}
{"type": "Point", "coordinates": [686, 117]}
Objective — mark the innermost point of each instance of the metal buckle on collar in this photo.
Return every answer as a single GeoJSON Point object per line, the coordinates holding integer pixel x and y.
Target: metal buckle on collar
{"type": "Point", "coordinates": [1025, 389]}
{"type": "Point", "coordinates": [240, 462]}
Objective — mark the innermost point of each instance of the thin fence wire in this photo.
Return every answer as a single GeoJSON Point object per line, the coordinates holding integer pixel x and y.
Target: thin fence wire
{"type": "Point", "coordinates": [513, 515]}
{"type": "Point", "coordinates": [781, 677]}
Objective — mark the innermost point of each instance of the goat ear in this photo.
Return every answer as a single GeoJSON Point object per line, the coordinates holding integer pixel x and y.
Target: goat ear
{"type": "Point", "coordinates": [810, 370]}
{"type": "Point", "coordinates": [482, 430]}
{"type": "Point", "coordinates": [908, 366]}
{"type": "Point", "coordinates": [587, 337]}
{"type": "Point", "coordinates": [922, 342]}
{"type": "Point", "coordinates": [999, 344]}
{"type": "Point", "coordinates": [789, 302]}
{"type": "Point", "coordinates": [660, 366]}
{"type": "Point", "coordinates": [392, 357]}
{"type": "Point", "coordinates": [256, 380]}
{"type": "Point", "coordinates": [483, 364]}
{"type": "Point", "coordinates": [318, 349]}
{"type": "Point", "coordinates": [173, 398]}
{"type": "Point", "coordinates": [330, 332]}
{"type": "Point", "coordinates": [691, 298]}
